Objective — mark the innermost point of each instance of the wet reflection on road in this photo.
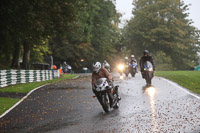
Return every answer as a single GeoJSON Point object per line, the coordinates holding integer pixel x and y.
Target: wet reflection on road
{"type": "Point", "coordinates": [162, 107]}
{"type": "Point", "coordinates": [68, 107]}
{"type": "Point", "coordinates": [151, 92]}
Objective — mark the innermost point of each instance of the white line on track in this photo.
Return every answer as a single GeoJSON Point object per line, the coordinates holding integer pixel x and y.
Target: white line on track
{"type": "Point", "coordinates": [7, 111]}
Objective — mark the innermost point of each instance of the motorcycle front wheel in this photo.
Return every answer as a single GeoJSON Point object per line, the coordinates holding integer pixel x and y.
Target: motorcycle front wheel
{"type": "Point", "coordinates": [106, 103]}
{"type": "Point", "coordinates": [126, 74]}
{"type": "Point", "coordinates": [148, 78]}
{"type": "Point", "coordinates": [133, 73]}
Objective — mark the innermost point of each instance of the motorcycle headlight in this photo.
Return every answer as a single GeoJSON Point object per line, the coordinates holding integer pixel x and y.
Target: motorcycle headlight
{"type": "Point", "coordinates": [150, 69]}
{"type": "Point", "coordinates": [120, 67]}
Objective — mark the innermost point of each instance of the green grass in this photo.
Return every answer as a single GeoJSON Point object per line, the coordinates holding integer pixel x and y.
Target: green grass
{"type": "Point", "coordinates": [187, 79]}
{"type": "Point", "coordinates": [26, 87]}
{"type": "Point", "coordinates": [6, 103]}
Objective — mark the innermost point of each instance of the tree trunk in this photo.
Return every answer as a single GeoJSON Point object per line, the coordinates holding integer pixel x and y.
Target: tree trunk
{"type": "Point", "coordinates": [15, 59]}
{"type": "Point", "coordinates": [26, 55]}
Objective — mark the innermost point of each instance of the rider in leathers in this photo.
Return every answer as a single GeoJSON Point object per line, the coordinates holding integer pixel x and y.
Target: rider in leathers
{"type": "Point", "coordinates": [144, 58]}
{"type": "Point", "coordinates": [132, 61]}
{"type": "Point", "coordinates": [101, 72]}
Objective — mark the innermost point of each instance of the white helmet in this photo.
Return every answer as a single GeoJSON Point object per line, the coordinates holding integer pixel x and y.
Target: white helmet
{"type": "Point", "coordinates": [132, 56]}
{"type": "Point", "coordinates": [96, 67]}
{"type": "Point", "coordinates": [106, 65]}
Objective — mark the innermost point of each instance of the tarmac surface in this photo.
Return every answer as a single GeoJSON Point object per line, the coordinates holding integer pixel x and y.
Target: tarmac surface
{"type": "Point", "coordinates": [68, 107]}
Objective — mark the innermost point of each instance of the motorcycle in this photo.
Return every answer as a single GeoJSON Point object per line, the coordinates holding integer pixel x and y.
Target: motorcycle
{"type": "Point", "coordinates": [123, 68]}
{"type": "Point", "coordinates": [120, 68]}
{"type": "Point", "coordinates": [148, 72]}
{"type": "Point", "coordinates": [132, 69]}
{"type": "Point", "coordinates": [67, 69]}
{"type": "Point", "coordinates": [107, 95]}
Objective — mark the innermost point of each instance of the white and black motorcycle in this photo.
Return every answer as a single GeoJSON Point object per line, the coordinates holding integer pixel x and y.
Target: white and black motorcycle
{"type": "Point", "coordinates": [67, 69]}
{"type": "Point", "coordinates": [107, 95]}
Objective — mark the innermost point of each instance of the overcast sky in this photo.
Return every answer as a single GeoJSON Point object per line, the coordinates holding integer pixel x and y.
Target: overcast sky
{"type": "Point", "coordinates": [125, 7]}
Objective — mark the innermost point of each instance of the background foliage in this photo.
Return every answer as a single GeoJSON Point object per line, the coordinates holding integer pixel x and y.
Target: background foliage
{"type": "Point", "coordinates": [162, 27]}
{"type": "Point", "coordinates": [72, 30]}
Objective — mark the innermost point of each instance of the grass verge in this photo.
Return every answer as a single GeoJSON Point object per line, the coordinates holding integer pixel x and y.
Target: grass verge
{"type": "Point", "coordinates": [6, 103]}
{"type": "Point", "coordinates": [187, 79]}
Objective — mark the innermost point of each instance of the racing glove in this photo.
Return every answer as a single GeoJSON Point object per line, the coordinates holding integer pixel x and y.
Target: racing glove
{"type": "Point", "coordinates": [111, 83]}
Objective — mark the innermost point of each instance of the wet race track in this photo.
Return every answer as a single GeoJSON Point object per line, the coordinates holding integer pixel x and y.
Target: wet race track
{"type": "Point", "coordinates": [69, 107]}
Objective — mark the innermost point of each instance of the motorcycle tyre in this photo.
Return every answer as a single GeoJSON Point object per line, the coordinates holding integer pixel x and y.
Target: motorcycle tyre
{"type": "Point", "coordinates": [148, 79]}
{"type": "Point", "coordinates": [116, 105]}
{"type": "Point", "coordinates": [133, 74]}
{"type": "Point", "coordinates": [106, 103]}
{"type": "Point", "coordinates": [126, 74]}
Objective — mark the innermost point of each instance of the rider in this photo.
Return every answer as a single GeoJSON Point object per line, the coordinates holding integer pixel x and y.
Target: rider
{"type": "Point", "coordinates": [126, 61]}
{"type": "Point", "coordinates": [133, 60]}
{"type": "Point", "coordinates": [101, 72]}
{"type": "Point", "coordinates": [64, 67]}
{"type": "Point", "coordinates": [144, 58]}
{"type": "Point", "coordinates": [106, 65]}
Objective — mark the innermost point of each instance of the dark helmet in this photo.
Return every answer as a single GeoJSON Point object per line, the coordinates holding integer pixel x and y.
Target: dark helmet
{"type": "Point", "coordinates": [146, 52]}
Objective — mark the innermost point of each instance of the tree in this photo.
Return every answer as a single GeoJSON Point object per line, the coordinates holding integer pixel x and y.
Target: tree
{"type": "Point", "coordinates": [105, 32]}
{"type": "Point", "coordinates": [28, 23]}
{"type": "Point", "coordinates": [162, 26]}
{"type": "Point", "coordinates": [71, 29]}
{"type": "Point", "coordinates": [92, 36]}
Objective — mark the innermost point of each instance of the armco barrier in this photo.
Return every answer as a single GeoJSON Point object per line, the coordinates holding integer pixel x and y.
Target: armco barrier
{"type": "Point", "coordinates": [11, 77]}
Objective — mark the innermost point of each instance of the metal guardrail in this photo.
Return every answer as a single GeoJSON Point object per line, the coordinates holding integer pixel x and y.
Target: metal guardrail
{"type": "Point", "coordinates": [11, 77]}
